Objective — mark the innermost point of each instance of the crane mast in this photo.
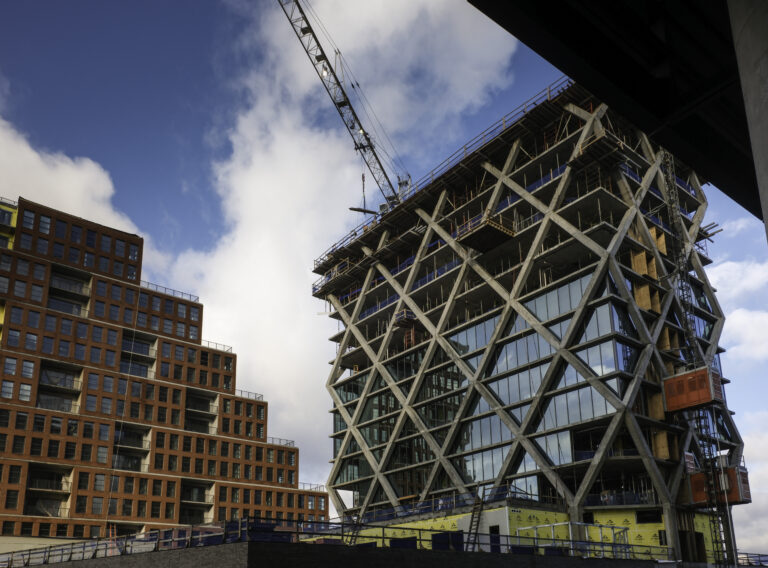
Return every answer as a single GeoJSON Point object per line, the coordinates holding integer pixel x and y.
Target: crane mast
{"type": "Point", "coordinates": [363, 143]}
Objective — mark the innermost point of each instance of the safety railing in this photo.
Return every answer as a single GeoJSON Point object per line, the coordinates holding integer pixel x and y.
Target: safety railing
{"type": "Point", "coordinates": [249, 395]}
{"type": "Point", "coordinates": [217, 346]}
{"type": "Point", "coordinates": [312, 486]}
{"type": "Point", "coordinates": [281, 442]}
{"type": "Point", "coordinates": [170, 291]}
{"type": "Point", "coordinates": [335, 533]}
{"type": "Point", "coordinates": [751, 559]}
{"type": "Point", "coordinates": [69, 286]}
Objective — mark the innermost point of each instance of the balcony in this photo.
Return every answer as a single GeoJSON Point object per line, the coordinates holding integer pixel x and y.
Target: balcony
{"type": "Point", "coordinates": [49, 402]}
{"type": "Point", "coordinates": [70, 287]}
{"type": "Point", "coordinates": [129, 463]}
{"type": "Point", "coordinates": [46, 510]}
{"type": "Point", "coordinates": [192, 425]}
{"type": "Point", "coordinates": [139, 349]}
{"type": "Point", "coordinates": [47, 484]}
{"type": "Point", "coordinates": [58, 380]}
{"type": "Point", "coordinates": [196, 496]}
{"type": "Point", "coordinates": [131, 442]}
{"type": "Point", "coordinates": [202, 406]}
{"type": "Point", "coordinates": [135, 369]}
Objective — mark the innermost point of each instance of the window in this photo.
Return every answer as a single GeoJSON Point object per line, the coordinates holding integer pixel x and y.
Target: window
{"type": "Point", "coordinates": [25, 391]}
{"type": "Point", "coordinates": [61, 229]}
{"type": "Point", "coordinates": [28, 220]}
{"type": "Point", "coordinates": [53, 448]}
{"type": "Point", "coordinates": [7, 390]}
{"type": "Point", "coordinates": [30, 341]}
{"type": "Point", "coordinates": [9, 367]}
{"type": "Point", "coordinates": [11, 500]}
{"type": "Point", "coordinates": [13, 338]}
{"type": "Point", "coordinates": [97, 504]}
{"type": "Point", "coordinates": [27, 369]}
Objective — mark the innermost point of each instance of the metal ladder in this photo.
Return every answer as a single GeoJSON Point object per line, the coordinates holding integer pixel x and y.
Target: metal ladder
{"type": "Point", "coordinates": [474, 523]}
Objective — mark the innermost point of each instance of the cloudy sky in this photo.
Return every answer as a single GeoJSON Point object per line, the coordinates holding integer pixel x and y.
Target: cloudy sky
{"type": "Point", "coordinates": [203, 127]}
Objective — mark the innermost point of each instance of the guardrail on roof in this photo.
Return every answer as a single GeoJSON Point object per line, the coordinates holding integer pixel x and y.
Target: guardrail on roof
{"type": "Point", "coordinates": [170, 291]}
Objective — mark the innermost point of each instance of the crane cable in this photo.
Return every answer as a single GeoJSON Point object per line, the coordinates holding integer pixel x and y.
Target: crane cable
{"type": "Point", "coordinates": [396, 163]}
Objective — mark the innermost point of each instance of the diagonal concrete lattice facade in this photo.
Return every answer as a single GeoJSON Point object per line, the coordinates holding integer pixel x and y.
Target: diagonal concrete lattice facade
{"type": "Point", "coordinates": [511, 325]}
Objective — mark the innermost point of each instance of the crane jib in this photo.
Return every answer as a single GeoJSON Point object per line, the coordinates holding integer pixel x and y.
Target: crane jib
{"type": "Point", "coordinates": [363, 143]}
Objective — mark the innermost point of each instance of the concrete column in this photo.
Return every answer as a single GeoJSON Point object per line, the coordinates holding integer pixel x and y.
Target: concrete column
{"type": "Point", "coordinates": [749, 25]}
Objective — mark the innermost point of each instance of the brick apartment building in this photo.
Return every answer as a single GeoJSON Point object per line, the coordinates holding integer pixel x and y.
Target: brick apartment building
{"type": "Point", "coordinates": [115, 417]}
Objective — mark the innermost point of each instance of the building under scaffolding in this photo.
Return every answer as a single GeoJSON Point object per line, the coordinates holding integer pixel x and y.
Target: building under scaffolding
{"type": "Point", "coordinates": [530, 340]}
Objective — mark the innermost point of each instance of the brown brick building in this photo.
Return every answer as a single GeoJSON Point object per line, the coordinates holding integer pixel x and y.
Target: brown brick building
{"type": "Point", "coordinates": [114, 415]}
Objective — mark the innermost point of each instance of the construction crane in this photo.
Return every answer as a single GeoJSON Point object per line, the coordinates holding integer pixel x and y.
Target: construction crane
{"type": "Point", "coordinates": [699, 418]}
{"type": "Point", "coordinates": [363, 141]}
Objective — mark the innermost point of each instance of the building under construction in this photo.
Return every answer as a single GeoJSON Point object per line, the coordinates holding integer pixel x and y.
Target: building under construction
{"type": "Point", "coordinates": [528, 344]}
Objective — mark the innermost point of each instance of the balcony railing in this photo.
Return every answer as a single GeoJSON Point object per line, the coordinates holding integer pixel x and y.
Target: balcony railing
{"type": "Point", "coordinates": [202, 406]}
{"type": "Point", "coordinates": [60, 380]}
{"type": "Point", "coordinates": [128, 463]}
{"type": "Point", "coordinates": [60, 405]}
{"type": "Point", "coordinates": [170, 291]}
{"type": "Point", "coordinates": [70, 286]}
{"type": "Point", "coordinates": [131, 442]}
{"type": "Point", "coordinates": [44, 511]}
{"type": "Point", "coordinates": [50, 484]}
{"type": "Point", "coordinates": [139, 349]}
{"type": "Point", "coordinates": [197, 496]}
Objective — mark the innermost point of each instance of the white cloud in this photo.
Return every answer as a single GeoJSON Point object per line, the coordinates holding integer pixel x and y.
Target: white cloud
{"type": "Point", "coordinates": [737, 280]}
{"type": "Point", "coordinates": [735, 227]}
{"type": "Point", "coordinates": [78, 186]}
{"type": "Point", "coordinates": [287, 185]}
{"type": "Point", "coordinates": [744, 334]}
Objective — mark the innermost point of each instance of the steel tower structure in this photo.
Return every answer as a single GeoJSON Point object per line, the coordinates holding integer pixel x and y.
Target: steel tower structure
{"type": "Point", "coordinates": [517, 326]}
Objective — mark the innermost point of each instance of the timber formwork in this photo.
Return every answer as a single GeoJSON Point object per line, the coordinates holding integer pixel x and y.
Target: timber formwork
{"type": "Point", "coordinates": [509, 327]}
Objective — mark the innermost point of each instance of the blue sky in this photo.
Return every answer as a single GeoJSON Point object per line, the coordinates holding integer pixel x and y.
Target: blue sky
{"type": "Point", "coordinates": [202, 126]}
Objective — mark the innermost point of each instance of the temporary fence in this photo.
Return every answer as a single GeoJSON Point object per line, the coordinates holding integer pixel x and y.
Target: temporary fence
{"type": "Point", "coordinates": [326, 533]}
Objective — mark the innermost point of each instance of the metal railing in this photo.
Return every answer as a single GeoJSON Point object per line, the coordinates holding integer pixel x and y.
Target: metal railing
{"type": "Point", "coordinates": [10, 202]}
{"type": "Point", "coordinates": [334, 533]}
{"type": "Point", "coordinates": [69, 286]}
{"type": "Point", "coordinates": [249, 395]}
{"type": "Point", "coordinates": [50, 484]}
{"type": "Point", "coordinates": [281, 442]}
{"type": "Point", "coordinates": [312, 486]}
{"type": "Point", "coordinates": [217, 346]}
{"type": "Point", "coordinates": [131, 442]}
{"type": "Point", "coordinates": [751, 559]}
{"type": "Point", "coordinates": [60, 379]}
{"type": "Point", "coordinates": [44, 511]}
{"type": "Point", "coordinates": [169, 291]}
